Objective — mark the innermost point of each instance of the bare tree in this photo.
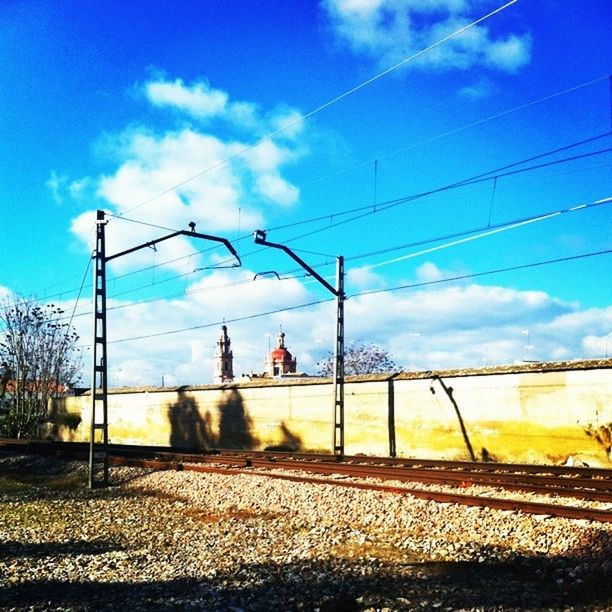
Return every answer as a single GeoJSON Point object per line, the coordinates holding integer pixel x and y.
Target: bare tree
{"type": "Point", "coordinates": [360, 359]}
{"type": "Point", "coordinates": [39, 359]}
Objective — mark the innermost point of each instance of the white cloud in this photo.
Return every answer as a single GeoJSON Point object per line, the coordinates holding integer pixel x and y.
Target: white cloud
{"type": "Point", "coordinates": [199, 99]}
{"type": "Point", "coordinates": [392, 30]}
{"type": "Point", "coordinates": [450, 327]}
{"type": "Point", "coordinates": [509, 54]}
{"type": "Point", "coordinates": [428, 272]}
{"type": "Point", "coordinates": [220, 182]}
{"type": "Point", "coordinates": [364, 278]}
{"type": "Point", "coordinates": [57, 185]}
{"type": "Point", "coordinates": [474, 325]}
{"type": "Point", "coordinates": [277, 189]}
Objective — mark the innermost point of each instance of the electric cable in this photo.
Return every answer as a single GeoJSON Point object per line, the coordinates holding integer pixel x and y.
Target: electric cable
{"type": "Point", "coordinates": [454, 131]}
{"type": "Point", "coordinates": [486, 273]}
{"type": "Point", "coordinates": [76, 302]}
{"type": "Point", "coordinates": [245, 318]}
{"type": "Point", "coordinates": [368, 208]}
{"type": "Point", "coordinates": [489, 232]}
{"type": "Point", "coordinates": [427, 141]}
{"type": "Point", "coordinates": [338, 98]}
{"type": "Point", "coordinates": [292, 274]}
{"type": "Point", "coordinates": [481, 177]}
{"type": "Point", "coordinates": [475, 179]}
{"type": "Point", "coordinates": [367, 292]}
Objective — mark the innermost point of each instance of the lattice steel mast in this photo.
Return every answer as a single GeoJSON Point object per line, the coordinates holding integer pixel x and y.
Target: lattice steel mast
{"type": "Point", "coordinates": [98, 458]}
{"type": "Point", "coordinates": [338, 291]}
{"type": "Point", "coordinates": [98, 441]}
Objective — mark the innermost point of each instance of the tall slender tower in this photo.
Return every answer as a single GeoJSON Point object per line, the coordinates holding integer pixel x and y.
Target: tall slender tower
{"type": "Point", "coordinates": [224, 358]}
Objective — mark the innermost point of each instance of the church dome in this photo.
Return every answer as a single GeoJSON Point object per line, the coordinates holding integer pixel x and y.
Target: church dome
{"type": "Point", "coordinates": [280, 361]}
{"type": "Point", "coordinates": [281, 354]}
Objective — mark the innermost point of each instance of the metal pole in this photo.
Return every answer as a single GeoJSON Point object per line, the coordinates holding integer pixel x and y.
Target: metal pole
{"type": "Point", "coordinates": [339, 361]}
{"type": "Point", "coordinates": [338, 291]}
{"type": "Point", "coordinates": [99, 390]}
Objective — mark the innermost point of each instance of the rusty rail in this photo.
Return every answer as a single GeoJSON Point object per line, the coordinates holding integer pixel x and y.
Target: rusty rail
{"type": "Point", "coordinates": [593, 484]}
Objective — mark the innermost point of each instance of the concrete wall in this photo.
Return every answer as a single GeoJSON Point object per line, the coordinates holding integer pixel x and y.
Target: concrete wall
{"type": "Point", "coordinates": [536, 413]}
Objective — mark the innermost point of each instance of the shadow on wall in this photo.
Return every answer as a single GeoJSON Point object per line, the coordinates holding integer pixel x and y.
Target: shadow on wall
{"type": "Point", "coordinates": [290, 442]}
{"type": "Point", "coordinates": [449, 392]}
{"type": "Point", "coordinates": [60, 424]}
{"type": "Point", "coordinates": [235, 427]}
{"type": "Point", "coordinates": [188, 429]}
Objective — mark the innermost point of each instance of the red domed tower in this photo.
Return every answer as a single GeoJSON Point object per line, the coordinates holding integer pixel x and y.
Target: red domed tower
{"type": "Point", "coordinates": [280, 361]}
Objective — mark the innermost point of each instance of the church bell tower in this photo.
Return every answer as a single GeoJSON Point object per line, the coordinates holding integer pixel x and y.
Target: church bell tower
{"type": "Point", "coordinates": [224, 359]}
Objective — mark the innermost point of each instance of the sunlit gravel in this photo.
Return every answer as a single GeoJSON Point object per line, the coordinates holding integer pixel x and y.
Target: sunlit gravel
{"type": "Point", "coordinates": [192, 541]}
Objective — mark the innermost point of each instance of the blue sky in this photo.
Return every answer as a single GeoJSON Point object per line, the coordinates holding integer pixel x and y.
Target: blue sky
{"type": "Point", "coordinates": [153, 111]}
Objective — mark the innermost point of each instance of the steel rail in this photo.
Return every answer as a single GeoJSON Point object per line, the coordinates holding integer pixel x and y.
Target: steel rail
{"type": "Point", "coordinates": [533, 484]}
{"type": "Point", "coordinates": [578, 473]}
{"type": "Point", "coordinates": [571, 512]}
{"type": "Point", "coordinates": [596, 487]}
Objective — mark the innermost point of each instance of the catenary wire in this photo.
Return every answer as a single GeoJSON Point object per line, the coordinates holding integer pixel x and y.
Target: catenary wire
{"type": "Point", "coordinates": [454, 131]}
{"type": "Point", "coordinates": [338, 98]}
{"type": "Point", "coordinates": [485, 176]}
{"type": "Point", "coordinates": [486, 273]}
{"type": "Point", "coordinates": [368, 208]}
{"type": "Point", "coordinates": [432, 139]}
{"type": "Point", "coordinates": [368, 292]}
{"type": "Point", "coordinates": [486, 231]}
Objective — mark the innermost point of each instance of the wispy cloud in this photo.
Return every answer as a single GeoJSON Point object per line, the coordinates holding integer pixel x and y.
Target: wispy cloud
{"type": "Point", "coordinates": [390, 30]}
{"type": "Point", "coordinates": [57, 185]}
{"type": "Point", "coordinates": [480, 89]}
{"type": "Point", "coordinates": [199, 100]}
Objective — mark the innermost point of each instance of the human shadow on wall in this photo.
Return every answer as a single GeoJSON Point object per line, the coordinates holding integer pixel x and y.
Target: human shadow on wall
{"type": "Point", "coordinates": [188, 430]}
{"type": "Point", "coordinates": [235, 426]}
{"type": "Point", "coordinates": [290, 442]}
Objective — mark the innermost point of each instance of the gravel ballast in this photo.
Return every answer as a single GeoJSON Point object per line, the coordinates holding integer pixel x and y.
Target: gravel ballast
{"type": "Point", "coordinates": [192, 541]}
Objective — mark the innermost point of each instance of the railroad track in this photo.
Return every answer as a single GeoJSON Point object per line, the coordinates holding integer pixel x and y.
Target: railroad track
{"type": "Point", "coordinates": [553, 482]}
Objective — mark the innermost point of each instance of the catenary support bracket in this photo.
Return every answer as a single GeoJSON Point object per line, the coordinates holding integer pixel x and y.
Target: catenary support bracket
{"type": "Point", "coordinates": [338, 291]}
{"type": "Point", "coordinates": [98, 440]}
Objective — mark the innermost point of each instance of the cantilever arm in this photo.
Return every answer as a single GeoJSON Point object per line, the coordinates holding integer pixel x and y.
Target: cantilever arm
{"type": "Point", "coordinates": [151, 243]}
{"type": "Point", "coordinates": [260, 238]}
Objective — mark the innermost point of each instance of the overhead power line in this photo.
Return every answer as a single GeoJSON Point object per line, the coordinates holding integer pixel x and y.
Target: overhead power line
{"type": "Point", "coordinates": [368, 292]}
{"type": "Point", "coordinates": [478, 274]}
{"type": "Point", "coordinates": [362, 164]}
{"type": "Point", "coordinates": [505, 224]}
{"type": "Point", "coordinates": [462, 128]}
{"type": "Point", "coordinates": [490, 232]}
{"type": "Point", "coordinates": [246, 318]}
{"type": "Point", "coordinates": [291, 274]}
{"type": "Point", "coordinates": [327, 104]}
{"type": "Point", "coordinates": [366, 210]}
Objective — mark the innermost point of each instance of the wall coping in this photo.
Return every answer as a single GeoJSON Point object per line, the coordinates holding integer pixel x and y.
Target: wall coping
{"type": "Point", "coordinates": [520, 368]}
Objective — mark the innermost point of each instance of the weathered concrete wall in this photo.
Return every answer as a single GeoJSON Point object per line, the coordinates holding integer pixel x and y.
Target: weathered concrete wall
{"type": "Point", "coordinates": [533, 414]}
